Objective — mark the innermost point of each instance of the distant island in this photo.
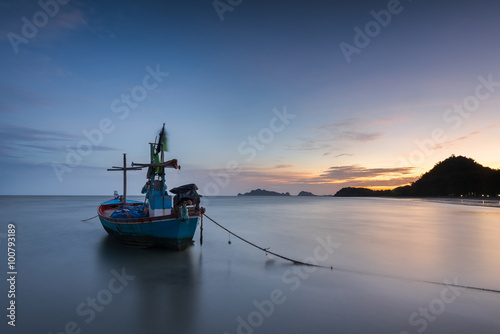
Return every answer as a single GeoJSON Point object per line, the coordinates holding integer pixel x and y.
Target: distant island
{"type": "Point", "coordinates": [457, 176]}
{"type": "Point", "coordinates": [305, 193]}
{"type": "Point", "coordinates": [262, 192]}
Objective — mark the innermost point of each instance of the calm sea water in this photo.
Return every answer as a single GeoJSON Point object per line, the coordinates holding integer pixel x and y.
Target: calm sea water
{"type": "Point", "coordinates": [72, 278]}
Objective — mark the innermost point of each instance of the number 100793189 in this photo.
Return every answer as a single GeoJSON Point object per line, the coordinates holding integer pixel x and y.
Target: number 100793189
{"type": "Point", "coordinates": [11, 247]}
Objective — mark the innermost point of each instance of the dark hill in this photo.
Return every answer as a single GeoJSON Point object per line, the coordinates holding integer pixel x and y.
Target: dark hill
{"type": "Point", "coordinates": [458, 176]}
{"type": "Point", "coordinates": [361, 192]}
{"type": "Point", "coordinates": [453, 177]}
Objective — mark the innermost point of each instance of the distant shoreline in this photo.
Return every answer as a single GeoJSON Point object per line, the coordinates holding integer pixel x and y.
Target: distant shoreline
{"type": "Point", "coordinates": [469, 201]}
{"type": "Point", "coordinates": [478, 201]}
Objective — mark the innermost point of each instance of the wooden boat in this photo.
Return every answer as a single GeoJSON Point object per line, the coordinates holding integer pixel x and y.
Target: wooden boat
{"type": "Point", "coordinates": [160, 220]}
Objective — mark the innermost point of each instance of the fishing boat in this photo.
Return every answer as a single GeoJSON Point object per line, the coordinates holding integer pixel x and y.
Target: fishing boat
{"type": "Point", "coordinates": [160, 220]}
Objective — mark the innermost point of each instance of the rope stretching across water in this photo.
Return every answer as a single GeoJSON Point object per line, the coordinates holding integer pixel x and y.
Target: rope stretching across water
{"type": "Point", "coordinates": [266, 250]}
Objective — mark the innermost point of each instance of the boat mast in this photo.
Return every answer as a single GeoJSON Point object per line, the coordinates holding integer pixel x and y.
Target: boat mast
{"type": "Point", "coordinates": [124, 169]}
{"type": "Point", "coordinates": [124, 179]}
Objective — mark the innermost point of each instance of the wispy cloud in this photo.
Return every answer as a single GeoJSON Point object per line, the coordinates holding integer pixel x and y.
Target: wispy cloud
{"type": "Point", "coordinates": [391, 183]}
{"type": "Point", "coordinates": [453, 142]}
{"type": "Point", "coordinates": [352, 129]}
{"type": "Point", "coordinates": [45, 66]}
{"type": "Point", "coordinates": [14, 96]}
{"type": "Point", "coordinates": [65, 149]}
{"type": "Point", "coordinates": [15, 138]}
{"type": "Point", "coordinates": [283, 166]}
{"type": "Point", "coordinates": [16, 133]}
{"type": "Point", "coordinates": [68, 18]}
{"type": "Point", "coordinates": [356, 172]}
{"type": "Point", "coordinates": [329, 136]}
{"type": "Point", "coordinates": [358, 176]}
{"type": "Point", "coordinates": [344, 155]}
{"type": "Point", "coordinates": [266, 176]}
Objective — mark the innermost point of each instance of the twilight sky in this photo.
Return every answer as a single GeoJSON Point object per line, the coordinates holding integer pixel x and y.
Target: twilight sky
{"type": "Point", "coordinates": [281, 95]}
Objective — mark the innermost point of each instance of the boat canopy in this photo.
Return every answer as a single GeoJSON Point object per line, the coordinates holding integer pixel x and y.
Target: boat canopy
{"type": "Point", "coordinates": [185, 193]}
{"type": "Point", "coordinates": [184, 188]}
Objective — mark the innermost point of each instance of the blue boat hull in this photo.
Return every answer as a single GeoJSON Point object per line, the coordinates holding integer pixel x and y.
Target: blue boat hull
{"type": "Point", "coordinates": [173, 233]}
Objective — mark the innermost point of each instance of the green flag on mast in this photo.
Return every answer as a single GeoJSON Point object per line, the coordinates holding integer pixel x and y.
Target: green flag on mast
{"type": "Point", "coordinates": [162, 141]}
{"type": "Point", "coordinates": [165, 142]}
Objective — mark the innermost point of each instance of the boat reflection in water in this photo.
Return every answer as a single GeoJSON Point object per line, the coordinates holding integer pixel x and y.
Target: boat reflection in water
{"type": "Point", "coordinates": [161, 297]}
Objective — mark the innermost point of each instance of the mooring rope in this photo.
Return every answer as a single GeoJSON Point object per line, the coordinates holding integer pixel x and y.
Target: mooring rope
{"type": "Point", "coordinates": [84, 220]}
{"type": "Point", "coordinates": [201, 231]}
{"type": "Point", "coordinates": [266, 250]}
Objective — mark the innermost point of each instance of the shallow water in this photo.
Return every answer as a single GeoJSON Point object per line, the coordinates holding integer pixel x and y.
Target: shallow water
{"type": "Point", "coordinates": [72, 278]}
